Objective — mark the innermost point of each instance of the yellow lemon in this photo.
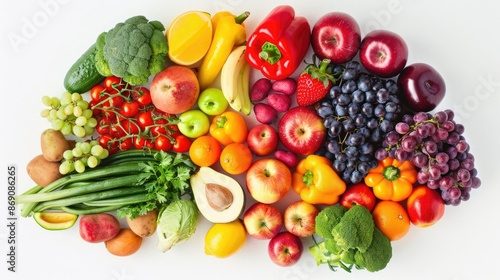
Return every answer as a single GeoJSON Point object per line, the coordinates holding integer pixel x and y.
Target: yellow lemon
{"type": "Point", "coordinates": [55, 220]}
{"type": "Point", "coordinates": [189, 37]}
{"type": "Point", "coordinates": [224, 239]}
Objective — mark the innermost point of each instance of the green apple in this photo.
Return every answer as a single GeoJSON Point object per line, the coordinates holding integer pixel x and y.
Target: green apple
{"type": "Point", "coordinates": [212, 101]}
{"type": "Point", "coordinates": [193, 123]}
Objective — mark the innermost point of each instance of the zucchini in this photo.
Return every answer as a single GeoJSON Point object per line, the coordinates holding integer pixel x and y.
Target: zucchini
{"type": "Point", "coordinates": [83, 74]}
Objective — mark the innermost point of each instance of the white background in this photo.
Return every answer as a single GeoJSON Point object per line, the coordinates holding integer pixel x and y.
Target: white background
{"type": "Point", "coordinates": [459, 38]}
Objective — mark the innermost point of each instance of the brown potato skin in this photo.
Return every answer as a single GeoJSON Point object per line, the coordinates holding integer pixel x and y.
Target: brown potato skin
{"type": "Point", "coordinates": [125, 243]}
{"type": "Point", "coordinates": [144, 225]}
{"type": "Point", "coordinates": [53, 144]}
{"type": "Point", "coordinates": [42, 171]}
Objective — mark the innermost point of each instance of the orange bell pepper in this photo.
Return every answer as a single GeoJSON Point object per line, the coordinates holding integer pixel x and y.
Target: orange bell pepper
{"type": "Point", "coordinates": [392, 179]}
{"type": "Point", "coordinates": [229, 127]}
{"type": "Point", "coordinates": [316, 181]}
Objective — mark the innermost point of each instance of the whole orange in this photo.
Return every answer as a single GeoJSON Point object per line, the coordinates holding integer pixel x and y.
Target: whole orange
{"type": "Point", "coordinates": [392, 219]}
{"type": "Point", "coordinates": [235, 158]}
{"type": "Point", "coordinates": [205, 150]}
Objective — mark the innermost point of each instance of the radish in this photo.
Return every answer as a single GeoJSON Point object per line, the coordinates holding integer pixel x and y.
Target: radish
{"type": "Point", "coordinates": [286, 86]}
{"type": "Point", "coordinates": [264, 113]}
{"type": "Point", "coordinates": [260, 89]}
{"type": "Point", "coordinates": [280, 102]}
{"type": "Point", "coordinates": [290, 159]}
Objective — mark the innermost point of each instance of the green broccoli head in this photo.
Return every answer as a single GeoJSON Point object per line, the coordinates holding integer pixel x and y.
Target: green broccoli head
{"type": "Point", "coordinates": [133, 50]}
{"type": "Point", "coordinates": [378, 254]}
{"type": "Point", "coordinates": [328, 218]}
{"type": "Point", "coordinates": [355, 229]}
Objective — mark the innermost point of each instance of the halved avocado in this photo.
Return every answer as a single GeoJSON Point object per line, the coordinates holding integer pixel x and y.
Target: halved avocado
{"type": "Point", "coordinates": [55, 220]}
{"type": "Point", "coordinates": [219, 198]}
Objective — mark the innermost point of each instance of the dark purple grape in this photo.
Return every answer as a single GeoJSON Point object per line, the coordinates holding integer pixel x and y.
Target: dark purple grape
{"type": "Point", "coordinates": [420, 160]}
{"type": "Point", "coordinates": [409, 143]}
{"type": "Point", "coordinates": [462, 146]}
{"type": "Point", "coordinates": [441, 117]}
{"type": "Point", "coordinates": [442, 158]}
{"type": "Point", "coordinates": [334, 92]}
{"type": "Point", "coordinates": [381, 154]}
{"type": "Point", "coordinates": [392, 138]}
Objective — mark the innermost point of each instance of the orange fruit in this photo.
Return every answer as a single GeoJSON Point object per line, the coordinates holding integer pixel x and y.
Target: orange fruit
{"type": "Point", "coordinates": [189, 36]}
{"type": "Point", "coordinates": [391, 218]}
{"type": "Point", "coordinates": [235, 158]}
{"type": "Point", "coordinates": [205, 150]}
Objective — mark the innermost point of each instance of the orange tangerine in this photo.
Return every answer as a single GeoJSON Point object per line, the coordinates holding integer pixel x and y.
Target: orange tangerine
{"type": "Point", "coordinates": [391, 219]}
{"type": "Point", "coordinates": [235, 158]}
{"type": "Point", "coordinates": [189, 37]}
{"type": "Point", "coordinates": [205, 150]}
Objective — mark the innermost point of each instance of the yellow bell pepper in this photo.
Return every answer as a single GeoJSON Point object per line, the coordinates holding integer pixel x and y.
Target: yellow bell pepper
{"type": "Point", "coordinates": [228, 33]}
{"type": "Point", "coordinates": [316, 181]}
{"type": "Point", "coordinates": [229, 127]}
{"type": "Point", "coordinates": [392, 179]}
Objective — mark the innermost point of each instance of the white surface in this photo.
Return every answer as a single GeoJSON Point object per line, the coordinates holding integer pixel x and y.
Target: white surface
{"type": "Point", "coordinates": [459, 38]}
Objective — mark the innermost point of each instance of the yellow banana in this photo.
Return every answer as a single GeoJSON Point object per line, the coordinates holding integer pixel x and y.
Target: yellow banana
{"type": "Point", "coordinates": [235, 76]}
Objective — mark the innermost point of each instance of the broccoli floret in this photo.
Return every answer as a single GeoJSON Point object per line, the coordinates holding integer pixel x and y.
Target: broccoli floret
{"type": "Point", "coordinates": [378, 254]}
{"type": "Point", "coordinates": [133, 50]}
{"type": "Point", "coordinates": [355, 229]}
{"type": "Point", "coordinates": [328, 218]}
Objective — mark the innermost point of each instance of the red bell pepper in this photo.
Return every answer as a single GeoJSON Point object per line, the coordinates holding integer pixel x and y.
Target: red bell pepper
{"type": "Point", "coordinates": [279, 44]}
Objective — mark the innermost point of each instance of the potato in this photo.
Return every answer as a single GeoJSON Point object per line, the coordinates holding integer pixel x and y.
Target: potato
{"type": "Point", "coordinates": [42, 171]}
{"type": "Point", "coordinates": [144, 225]}
{"type": "Point", "coordinates": [96, 228]}
{"type": "Point", "coordinates": [53, 144]}
{"type": "Point", "coordinates": [125, 243]}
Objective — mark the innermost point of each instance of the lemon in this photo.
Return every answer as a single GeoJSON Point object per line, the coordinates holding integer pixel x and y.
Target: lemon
{"type": "Point", "coordinates": [55, 220]}
{"type": "Point", "coordinates": [224, 239]}
{"type": "Point", "coordinates": [189, 37]}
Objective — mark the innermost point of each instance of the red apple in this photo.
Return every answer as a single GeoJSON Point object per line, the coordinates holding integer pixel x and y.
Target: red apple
{"type": "Point", "coordinates": [268, 180]}
{"type": "Point", "coordinates": [358, 194]}
{"type": "Point", "coordinates": [262, 139]}
{"type": "Point", "coordinates": [175, 89]}
{"type": "Point", "coordinates": [383, 53]}
{"type": "Point", "coordinates": [285, 249]}
{"type": "Point", "coordinates": [336, 36]}
{"type": "Point", "coordinates": [421, 87]}
{"type": "Point", "coordinates": [301, 130]}
{"type": "Point", "coordinates": [262, 221]}
{"type": "Point", "coordinates": [425, 206]}
{"type": "Point", "coordinates": [299, 218]}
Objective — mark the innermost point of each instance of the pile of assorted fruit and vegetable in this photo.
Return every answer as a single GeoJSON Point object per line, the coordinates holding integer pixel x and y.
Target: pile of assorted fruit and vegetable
{"type": "Point", "coordinates": [205, 119]}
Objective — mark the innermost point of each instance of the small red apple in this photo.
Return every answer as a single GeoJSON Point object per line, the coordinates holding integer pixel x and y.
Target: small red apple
{"type": "Point", "coordinates": [262, 139]}
{"type": "Point", "coordinates": [425, 206]}
{"type": "Point", "coordinates": [175, 89]}
{"type": "Point", "coordinates": [336, 36]}
{"type": "Point", "coordinates": [301, 130]}
{"type": "Point", "coordinates": [285, 249]}
{"type": "Point", "coordinates": [358, 194]}
{"type": "Point", "coordinates": [268, 180]}
{"type": "Point", "coordinates": [299, 218]}
{"type": "Point", "coordinates": [262, 221]}
{"type": "Point", "coordinates": [383, 53]}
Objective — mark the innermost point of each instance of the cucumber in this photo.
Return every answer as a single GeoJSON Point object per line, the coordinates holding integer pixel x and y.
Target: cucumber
{"type": "Point", "coordinates": [83, 74]}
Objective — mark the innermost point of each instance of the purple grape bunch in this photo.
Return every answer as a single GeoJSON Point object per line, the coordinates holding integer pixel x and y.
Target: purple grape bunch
{"type": "Point", "coordinates": [438, 149]}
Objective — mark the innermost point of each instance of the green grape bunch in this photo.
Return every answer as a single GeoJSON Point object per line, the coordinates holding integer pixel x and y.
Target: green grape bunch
{"type": "Point", "coordinates": [84, 154]}
{"type": "Point", "coordinates": [69, 114]}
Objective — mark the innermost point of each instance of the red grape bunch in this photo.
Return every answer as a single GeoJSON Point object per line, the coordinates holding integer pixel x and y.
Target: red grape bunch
{"type": "Point", "coordinates": [438, 149]}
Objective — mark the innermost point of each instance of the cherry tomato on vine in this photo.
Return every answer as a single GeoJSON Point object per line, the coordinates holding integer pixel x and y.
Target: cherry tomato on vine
{"type": "Point", "coordinates": [129, 127]}
{"type": "Point", "coordinates": [181, 144]}
{"type": "Point", "coordinates": [130, 109]}
{"type": "Point", "coordinates": [142, 95]}
{"type": "Point", "coordinates": [141, 142]}
{"type": "Point", "coordinates": [102, 127]}
{"type": "Point", "coordinates": [163, 143]}
{"type": "Point", "coordinates": [108, 142]}
{"type": "Point", "coordinates": [126, 144]}
{"type": "Point", "coordinates": [145, 119]}
{"type": "Point", "coordinates": [116, 100]}
{"type": "Point", "coordinates": [113, 84]}
{"type": "Point", "coordinates": [97, 93]}
{"type": "Point", "coordinates": [93, 106]}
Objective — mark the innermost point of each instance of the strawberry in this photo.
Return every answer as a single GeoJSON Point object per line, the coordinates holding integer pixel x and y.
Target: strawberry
{"type": "Point", "coordinates": [314, 83]}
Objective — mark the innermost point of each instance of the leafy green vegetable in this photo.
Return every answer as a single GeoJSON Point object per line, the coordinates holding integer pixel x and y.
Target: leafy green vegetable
{"type": "Point", "coordinates": [176, 222]}
{"type": "Point", "coordinates": [354, 240]}
{"type": "Point", "coordinates": [132, 50]}
{"type": "Point", "coordinates": [167, 182]}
